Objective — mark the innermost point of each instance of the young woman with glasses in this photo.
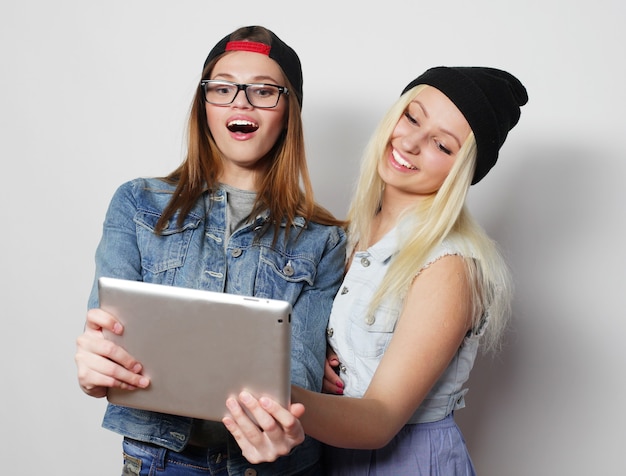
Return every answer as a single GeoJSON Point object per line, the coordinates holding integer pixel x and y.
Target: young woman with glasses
{"type": "Point", "coordinates": [424, 286]}
{"type": "Point", "coordinates": [237, 216]}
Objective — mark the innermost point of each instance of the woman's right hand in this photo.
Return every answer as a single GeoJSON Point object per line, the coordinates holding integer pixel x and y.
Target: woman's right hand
{"type": "Point", "coordinates": [101, 363]}
{"type": "Point", "coordinates": [278, 430]}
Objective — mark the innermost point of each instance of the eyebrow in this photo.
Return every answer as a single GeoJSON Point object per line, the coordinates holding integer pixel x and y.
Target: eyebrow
{"type": "Point", "coordinates": [442, 129]}
{"type": "Point", "coordinates": [255, 79]}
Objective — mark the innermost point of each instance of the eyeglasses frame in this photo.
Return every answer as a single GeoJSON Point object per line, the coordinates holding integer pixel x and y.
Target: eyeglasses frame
{"type": "Point", "coordinates": [243, 87]}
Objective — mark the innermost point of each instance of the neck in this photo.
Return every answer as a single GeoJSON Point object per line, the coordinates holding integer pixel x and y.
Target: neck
{"type": "Point", "coordinates": [241, 179]}
{"type": "Point", "coordinates": [384, 221]}
{"type": "Point", "coordinates": [394, 202]}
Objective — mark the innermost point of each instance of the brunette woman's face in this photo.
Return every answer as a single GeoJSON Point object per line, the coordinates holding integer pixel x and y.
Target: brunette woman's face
{"type": "Point", "coordinates": [424, 144]}
{"type": "Point", "coordinates": [245, 134]}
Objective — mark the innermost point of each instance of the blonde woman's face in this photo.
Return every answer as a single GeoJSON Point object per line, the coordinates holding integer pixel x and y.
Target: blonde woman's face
{"type": "Point", "coordinates": [424, 144]}
{"type": "Point", "coordinates": [245, 134]}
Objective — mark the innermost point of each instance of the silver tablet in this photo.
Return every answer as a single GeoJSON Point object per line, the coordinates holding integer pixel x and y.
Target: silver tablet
{"type": "Point", "coordinates": [199, 347]}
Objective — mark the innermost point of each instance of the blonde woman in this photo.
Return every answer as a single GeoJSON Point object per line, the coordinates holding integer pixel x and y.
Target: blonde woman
{"type": "Point", "coordinates": [425, 285]}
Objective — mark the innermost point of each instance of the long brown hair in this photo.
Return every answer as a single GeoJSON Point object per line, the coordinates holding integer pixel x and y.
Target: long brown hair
{"type": "Point", "coordinates": [285, 189]}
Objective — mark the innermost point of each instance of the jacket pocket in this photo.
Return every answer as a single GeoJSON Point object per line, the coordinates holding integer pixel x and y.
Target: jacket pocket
{"type": "Point", "coordinates": [283, 274]}
{"type": "Point", "coordinates": [371, 334]}
{"type": "Point", "coordinates": [166, 251]}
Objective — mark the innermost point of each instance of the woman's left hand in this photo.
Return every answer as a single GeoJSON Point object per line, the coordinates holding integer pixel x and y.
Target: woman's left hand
{"type": "Point", "coordinates": [331, 382]}
{"type": "Point", "coordinates": [278, 431]}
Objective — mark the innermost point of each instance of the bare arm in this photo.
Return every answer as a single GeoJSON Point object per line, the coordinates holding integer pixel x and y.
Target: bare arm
{"type": "Point", "coordinates": [430, 330]}
{"type": "Point", "coordinates": [429, 333]}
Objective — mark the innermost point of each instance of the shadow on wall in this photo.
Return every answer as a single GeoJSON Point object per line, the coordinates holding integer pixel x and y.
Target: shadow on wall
{"type": "Point", "coordinates": [548, 211]}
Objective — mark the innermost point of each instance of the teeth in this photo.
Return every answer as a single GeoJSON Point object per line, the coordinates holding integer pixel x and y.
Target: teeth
{"type": "Point", "coordinates": [242, 126]}
{"type": "Point", "coordinates": [401, 161]}
{"type": "Point", "coordinates": [240, 122]}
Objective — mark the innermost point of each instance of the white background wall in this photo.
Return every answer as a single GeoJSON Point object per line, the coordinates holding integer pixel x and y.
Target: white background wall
{"type": "Point", "coordinates": [95, 93]}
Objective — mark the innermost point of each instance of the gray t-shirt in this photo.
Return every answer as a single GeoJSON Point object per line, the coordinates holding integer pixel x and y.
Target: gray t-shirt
{"type": "Point", "coordinates": [239, 204]}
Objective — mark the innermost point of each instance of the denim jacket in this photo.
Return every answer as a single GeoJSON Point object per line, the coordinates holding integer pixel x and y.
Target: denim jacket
{"type": "Point", "coordinates": [306, 271]}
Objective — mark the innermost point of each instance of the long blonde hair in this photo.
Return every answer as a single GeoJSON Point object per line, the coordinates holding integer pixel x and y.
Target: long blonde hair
{"type": "Point", "coordinates": [426, 225]}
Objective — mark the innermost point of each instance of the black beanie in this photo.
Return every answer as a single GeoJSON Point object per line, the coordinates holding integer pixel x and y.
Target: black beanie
{"type": "Point", "coordinates": [490, 100]}
{"type": "Point", "coordinates": [278, 50]}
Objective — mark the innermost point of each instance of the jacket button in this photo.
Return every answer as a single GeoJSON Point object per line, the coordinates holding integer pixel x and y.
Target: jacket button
{"type": "Point", "coordinates": [369, 320]}
{"type": "Point", "coordinates": [236, 253]}
{"type": "Point", "coordinates": [330, 331]}
{"type": "Point", "coordinates": [250, 472]}
{"type": "Point", "coordinates": [344, 290]}
{"type": "Point", "coordinates": [288, 270]}
{"type": "Point", "coordinates": [365, 262]}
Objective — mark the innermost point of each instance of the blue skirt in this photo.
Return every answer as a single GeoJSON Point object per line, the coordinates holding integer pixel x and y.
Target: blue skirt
{"type": "Point", "coordinates": [423, 449]}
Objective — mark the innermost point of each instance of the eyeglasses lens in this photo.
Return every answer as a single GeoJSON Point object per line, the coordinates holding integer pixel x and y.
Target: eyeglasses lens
{"type": "Point", "coordinates": [258, 95]}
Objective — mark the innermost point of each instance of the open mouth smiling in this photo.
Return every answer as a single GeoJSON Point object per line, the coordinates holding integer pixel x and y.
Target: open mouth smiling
{"type": "Point", "coordinates": [398, 158]}
{"type": "Point", "coordinates": [241, 126]}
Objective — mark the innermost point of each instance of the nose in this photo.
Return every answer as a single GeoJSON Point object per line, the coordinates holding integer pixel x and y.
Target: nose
{"type": "Point", "coordinates": [412, 142]}
{"type": "Point", "coordinates": [241, 100]}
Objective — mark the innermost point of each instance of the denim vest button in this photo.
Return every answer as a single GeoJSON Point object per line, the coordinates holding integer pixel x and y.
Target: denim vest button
{"type": "Point", "coordinates": [288, 270]}
{"type": "Point", "coordinates": [236, 253]}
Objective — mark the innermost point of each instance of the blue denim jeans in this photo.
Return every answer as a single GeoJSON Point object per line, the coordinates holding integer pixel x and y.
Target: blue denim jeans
{"type": "Point", "coordinates": [147, 459]}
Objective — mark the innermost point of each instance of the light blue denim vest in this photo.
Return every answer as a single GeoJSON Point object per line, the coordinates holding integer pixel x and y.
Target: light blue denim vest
{"type": "Point", "coordinates": [305, 269]}
{"type": "Point", "coordinates": [360, 340]}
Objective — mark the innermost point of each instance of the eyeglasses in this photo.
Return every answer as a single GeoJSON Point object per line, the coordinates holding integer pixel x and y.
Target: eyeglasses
{"type": "Point", "coordinates": [261, 95]}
